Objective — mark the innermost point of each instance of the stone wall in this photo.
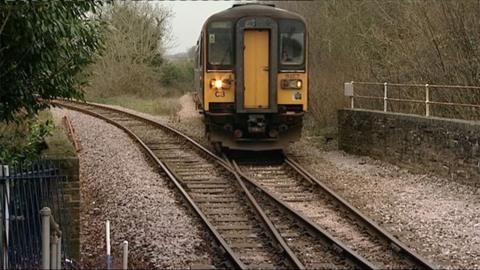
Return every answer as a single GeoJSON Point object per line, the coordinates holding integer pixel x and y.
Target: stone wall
{"type": "Point", "coordinates": [445, 147]}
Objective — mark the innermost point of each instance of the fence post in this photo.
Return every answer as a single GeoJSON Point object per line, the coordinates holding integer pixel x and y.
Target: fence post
{"type": "Point", "coordinates": [385, 97]}
{"type": "Point", "coordinates": [109, 256]}
{"type": "Point", "coordinates": [125, 254]}
{"type": "Point", "coordinates": [45, 213]}
{"type": "Point", "coordinates": [348, 88]}
{"type": "Point", "coordinates": [4, 173]}
{"type": "Point", "coordinates": [59, 253]}
{"type": "Point", "coordinates": [53, 251]}
{"type": "Point", "coordinates": [427, 100]}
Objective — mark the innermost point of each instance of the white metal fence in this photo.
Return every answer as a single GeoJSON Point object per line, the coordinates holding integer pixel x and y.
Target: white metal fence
{"type": "Point", "coordinates": [469, 100]}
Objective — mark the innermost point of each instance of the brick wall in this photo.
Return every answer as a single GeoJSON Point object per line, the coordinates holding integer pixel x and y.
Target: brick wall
{"type": "Point", "coordinates": [71, 188]}
{"type": "Point", "coordinates": [445, 147]}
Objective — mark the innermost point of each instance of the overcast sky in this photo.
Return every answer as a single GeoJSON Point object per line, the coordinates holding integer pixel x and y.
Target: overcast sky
{"type": "Point", "coordinates": [188, 19]}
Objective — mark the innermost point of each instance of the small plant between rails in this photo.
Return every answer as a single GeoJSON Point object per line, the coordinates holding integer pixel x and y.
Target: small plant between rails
{"type": "Point", "coordinates": [253, 230]}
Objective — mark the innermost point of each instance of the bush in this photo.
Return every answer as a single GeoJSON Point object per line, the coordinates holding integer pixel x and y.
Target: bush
{"type": "Point", "coordinates": [20, 142]}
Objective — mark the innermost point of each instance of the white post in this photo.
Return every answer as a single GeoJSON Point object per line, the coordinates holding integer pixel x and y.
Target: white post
{"type": "Point", "coordinates": [385, 97]}
{"type": "Point", "coordinates": [427, 100]}
{"type": "Point", "coordinates": [109, 256]}
{"type": "Point", "coordinates": [59, 253]}
{"type": "Point", "coordinates": [352, 99]}
{"type": "Point", "coordinates": [53, 251]}
{"type": "Point", "coordinates": [125, 254]}
{"type": "Point", "coordinates": [45, 213]}
{"type": "Point", "coordinates": [348, 88]}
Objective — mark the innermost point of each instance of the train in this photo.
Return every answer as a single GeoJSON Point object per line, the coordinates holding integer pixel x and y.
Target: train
{"type": "Point", "coordinates": [251, 77]}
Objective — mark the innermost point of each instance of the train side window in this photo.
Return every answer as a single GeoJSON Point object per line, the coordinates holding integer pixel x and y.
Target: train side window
{"type": "Point", "coordinates": [292, 43]}
{"type": "Point", "coordinates": [220, 44]}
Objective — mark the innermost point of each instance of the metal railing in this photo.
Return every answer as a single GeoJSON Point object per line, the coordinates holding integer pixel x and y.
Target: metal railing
{"type": "Point", "coordinates": [24, 190]}
{"type": "Point", "coordinates": [426, 99]}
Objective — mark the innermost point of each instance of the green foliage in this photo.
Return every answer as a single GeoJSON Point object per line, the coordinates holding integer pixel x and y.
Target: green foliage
{"type": "Point", "coordinates": [43, 47]}
{"type": "Point", "coordinates": [20, 142]}
{"type": "Point", "coordinates": [179, 71]}
{"type": "Point", "coordinates": [170, 74]}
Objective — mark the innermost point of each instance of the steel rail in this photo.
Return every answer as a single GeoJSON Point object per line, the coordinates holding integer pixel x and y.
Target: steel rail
{"type": "Point", "coordinates": [233, 257]}
{"type": "Point", "coordinates": [218, 159]}
{"type": "Point", "coordinates": [288, 252]}
{"type": "Point", "coordinates": [394, 242]}
{"type": "Point", "coordinates": [335, 243]}
{"type": "Point", "coordinates": [355, 257]}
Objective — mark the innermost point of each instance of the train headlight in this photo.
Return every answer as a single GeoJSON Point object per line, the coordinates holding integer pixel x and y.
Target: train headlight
{"type": "Point", "coordinates": [291, 84]}
{"type": "Point", "coordinates": [220, 84]}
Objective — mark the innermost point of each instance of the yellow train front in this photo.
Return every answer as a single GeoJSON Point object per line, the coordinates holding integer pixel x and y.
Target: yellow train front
{"type": "Point", "coordinates": [251, 77]}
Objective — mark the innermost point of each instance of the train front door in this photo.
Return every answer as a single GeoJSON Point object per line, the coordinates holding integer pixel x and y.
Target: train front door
{"type": "Point", "coordinates": [256, 69]}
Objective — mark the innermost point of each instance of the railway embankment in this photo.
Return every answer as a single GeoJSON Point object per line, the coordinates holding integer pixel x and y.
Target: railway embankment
{"type": "Point", "coordinates": [446, 147]}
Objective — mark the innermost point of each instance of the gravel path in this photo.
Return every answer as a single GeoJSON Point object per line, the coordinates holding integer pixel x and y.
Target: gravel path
{"type": "Point", "coordinates": [118, 184]}
{"type": "Point", "coordinates": [437, 217]}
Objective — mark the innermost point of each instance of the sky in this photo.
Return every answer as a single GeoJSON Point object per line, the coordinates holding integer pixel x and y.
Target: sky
{"type": "Point", "coordinates": [188, 20]}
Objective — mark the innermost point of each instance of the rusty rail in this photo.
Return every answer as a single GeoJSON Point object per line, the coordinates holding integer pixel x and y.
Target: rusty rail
{"type": "Point", "coordinates": [71, 133]}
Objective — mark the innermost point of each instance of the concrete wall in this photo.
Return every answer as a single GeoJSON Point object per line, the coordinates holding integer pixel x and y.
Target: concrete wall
{"type": "Point", "coordinates": [445, 147]}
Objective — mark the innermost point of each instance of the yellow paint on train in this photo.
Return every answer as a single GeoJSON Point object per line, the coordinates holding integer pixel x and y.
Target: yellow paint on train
{"type": "Point", "coordinates": [213, 94]}
{"type": "Point", "coordinates": [293, 96]}
{"type": "Point", "coordinates": [256, 72]}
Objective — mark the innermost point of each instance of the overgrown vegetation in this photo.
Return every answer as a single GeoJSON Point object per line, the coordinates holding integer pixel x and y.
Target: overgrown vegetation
{"type": "Point", "coordinates": [43, 48]}
{"type": "Point", "coordinates": [22, 141]}
{"type": "Point", "coordinates": [133, 71]}
{"type": "Point", "coordinates": [431, 41]}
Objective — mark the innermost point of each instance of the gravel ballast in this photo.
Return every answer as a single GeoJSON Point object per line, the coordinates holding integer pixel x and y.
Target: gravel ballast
{"type": "Point", "coordinates": [118, 184]}
{"type": "Point", "coordinates": [437, 217]}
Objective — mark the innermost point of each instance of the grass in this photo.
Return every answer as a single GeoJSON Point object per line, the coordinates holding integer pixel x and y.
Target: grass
{"type": "Point", "coordinates": [158, 106]}
{"type": "Point", "coordinates": [58, 143]}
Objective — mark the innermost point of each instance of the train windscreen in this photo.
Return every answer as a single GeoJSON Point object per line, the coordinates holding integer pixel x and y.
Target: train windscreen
{"type": "Point", "coordinates": [292, 43]}
{"type": "Point", "coordinates": [220, 45]}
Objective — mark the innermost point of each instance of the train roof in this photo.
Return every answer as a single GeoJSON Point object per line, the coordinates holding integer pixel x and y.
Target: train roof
{"type": "Point", "coordinates": [238, 11]}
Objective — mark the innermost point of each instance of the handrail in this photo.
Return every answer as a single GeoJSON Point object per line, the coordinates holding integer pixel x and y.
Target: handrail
{"type": "Point", "coordinates": [349, 92]}
{"type": "Point", "coordinates": [419, 85]}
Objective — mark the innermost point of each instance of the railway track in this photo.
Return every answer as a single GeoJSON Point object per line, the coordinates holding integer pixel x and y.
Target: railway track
{"type": "Point", "coordinates": [285, 179]}
{"type": "Point", "coordinates": [253, 230]}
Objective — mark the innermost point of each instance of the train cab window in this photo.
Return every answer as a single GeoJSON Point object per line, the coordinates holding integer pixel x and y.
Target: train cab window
{"type": "Point", "coordinates": [292, 43]}
{"type": "Point", "coordinates": [220, 45]}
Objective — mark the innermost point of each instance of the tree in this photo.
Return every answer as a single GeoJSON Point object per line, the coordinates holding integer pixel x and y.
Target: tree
{"type": "Point", "coordinates": [135, 41]}
{"type": "Point", "coordinates": [43, 47]}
